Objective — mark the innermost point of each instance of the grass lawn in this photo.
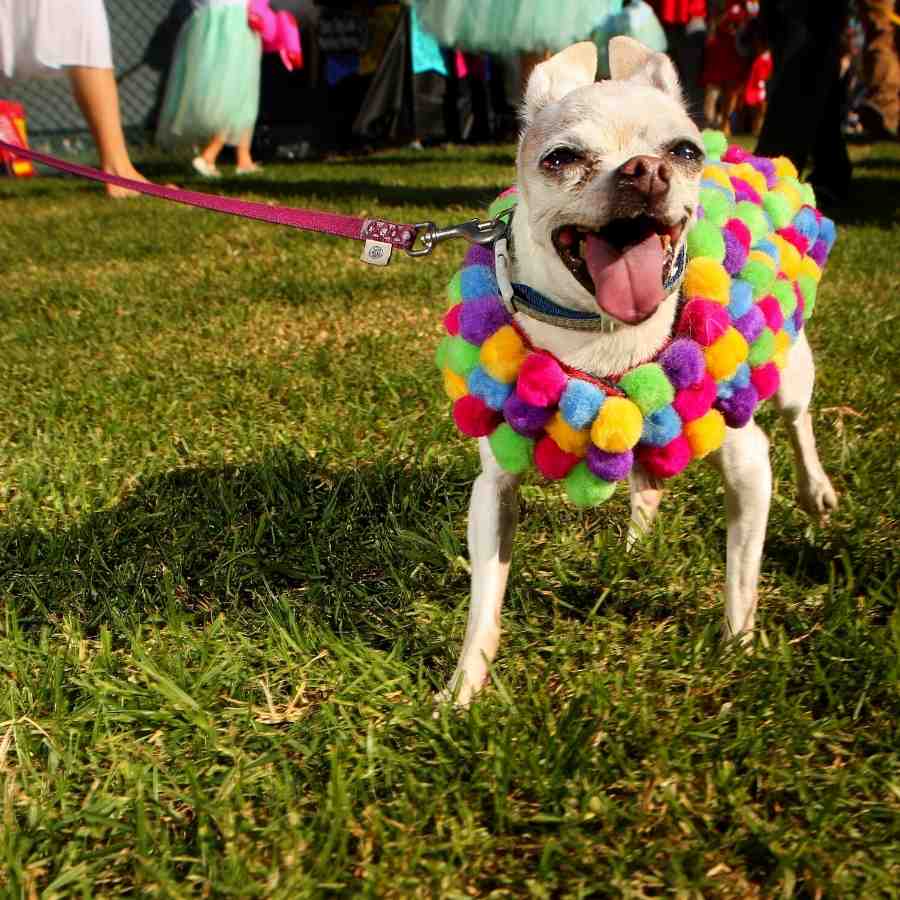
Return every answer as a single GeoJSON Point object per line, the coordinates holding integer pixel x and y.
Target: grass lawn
{"type": "Point", "coordinates": [233, 572]}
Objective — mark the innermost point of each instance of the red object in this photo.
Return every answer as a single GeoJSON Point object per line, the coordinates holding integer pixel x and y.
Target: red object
{"type": "Point", "coordinates": [722, 64]}
{"type": "Point", "coordinates": [760, 73]}
{"type": "Point", "coordinates": [541, 380]}
{"type": "Point", "coordinates": [664, 462]}
{"type": "Point", "coordinates": [279, 32]}
{"type": "Point", "coordinates": [678, 12]}
{"type": "Point", "coordinates": [451, 319]}
{"type": "Point", "coordinates": [766, 379]}
{"type": "Point", "coordinates": [14, 132]}
{"type": "Point", "coordinates": [552, 461]}
{"type": "Point", "coordinates": [473, 417]}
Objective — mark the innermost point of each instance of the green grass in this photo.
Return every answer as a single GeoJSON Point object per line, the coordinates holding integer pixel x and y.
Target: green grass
{"type": "Point", "coordinates": [232, 573]}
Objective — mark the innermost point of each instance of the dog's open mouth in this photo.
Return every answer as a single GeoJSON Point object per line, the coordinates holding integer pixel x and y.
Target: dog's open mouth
{"type": "Point", "coordinates": [624, 264]}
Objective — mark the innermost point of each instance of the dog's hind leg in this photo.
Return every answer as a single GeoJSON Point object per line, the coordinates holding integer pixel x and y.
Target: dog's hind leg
{"type": "Point", "coordinates": [646, 496]}
{"type": "Point", "coordinates": [816, 495]}
{"type": "Point", "coordinates": [493, 515]}
{"type": "Point", "coordinates": [743, 461]}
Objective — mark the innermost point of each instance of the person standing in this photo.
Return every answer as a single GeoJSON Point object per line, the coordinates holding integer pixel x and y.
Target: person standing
{"type": "Point", "coordinates": [879, 113]}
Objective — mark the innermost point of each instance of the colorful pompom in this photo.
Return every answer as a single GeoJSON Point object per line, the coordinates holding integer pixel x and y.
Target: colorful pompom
{"type": "Point", "coordinates": [661, 426]}
{"type": "Point", "coordinates": [692, 402]}
{"type": "Point", "coordinates": [572, 440]}
{"type": "Point", "coordinates": [525, 418]}
{"type": "Point", "coordinates": [494, 393]}
{"type": "Point", "coordinates": [664, 462]}
{"type": "Point", "coordinates": [648, 387]}
{"type": "Point", "coordinates": [479, 255]}
{"type": "Point", "coordinates": [541, 380]}
{"type": "Point", "coordinates": [462, 356]}
{"type": "Point", "coordinates": [511, 450]}
{"type": "Point", "coordinates": [705, 277]}
{"type": "Point", "coordinates": [704, 435]}
{"type": "Point", "coordinates": [738, 408]}
{"type": "Point", "coordinates": [778, 208]}
{"type": "Point", "coordinates": [451, 319]}
{"type": "Point", "coordinates": [618, 425]}
{"type": "Point", "coordinates": [766, 379]}
{"type": "Point", "coordinates": [751, 324]}
{"type": "Point", "coordinates": [683, 363]}
{"type": "Point", "coordinates": [784, 167]}
{"type": "Point", "coordinates": [609, 466]}
{"type": "Point", "coordinates": [759, 276]}
{"type": "Point", "coordinates": [478, 281]}
{"type": "Point", "coordinates": [715, 203]}
{"type": "Point", "coordinates": [481, 317]}
{"type": "Point", "coordinates": [454, 385]}
{"type": "Point", "coordinates": [715, 143]}
{"type": "Point", "coordinates": [703, 321]}
{"type": "Point", "coordinates": [740, 298]}
{"type": "Point", "coordinates": [783, 291]}
{"type": "Point", "coordinates": [580, 402]}
{"type": "Point", "coordinates": [551, 460]}
{"type": "Point", "coordinates": [771, 311]}
{"type": "Point", "coordinates": [705, 239]}
{"type": "Point", "coordinates": [503, 353]}
{"type": "Point", "coordinates": [762, 348]}
{"type": "Point", "coordinates": [473, 417]}
{"type": "Point", "coordinates": [584, 489]}
{"type": "Point", "coordinates": [726, 354]}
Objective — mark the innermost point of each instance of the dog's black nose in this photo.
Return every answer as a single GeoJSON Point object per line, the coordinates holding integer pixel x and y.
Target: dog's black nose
{"type": "Point", "coordinates": [649, 175]}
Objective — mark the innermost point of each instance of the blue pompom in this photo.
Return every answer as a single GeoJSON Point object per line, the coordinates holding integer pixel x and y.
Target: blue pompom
{"type": "Point", "coordinates": [827, 231]}
{"type": "Point", "coordinates": [491, 392]}
{"type": "Point", "coordinates": [790, 326]}
{"type": "Point", "coordinates": [478, 281]}
{"type": "Point", "coordinates": [661, 427]}
{"type": "Point", "coordinates": [580, 403]}
{"type": "Point", "coordinates": [805, 222]}
{"type": "Point", "coordinates": [740, 298]}
{"type": "Point", "coordinates": [741, 378]}
{"type": "Point", "coordinates": [769, 248]}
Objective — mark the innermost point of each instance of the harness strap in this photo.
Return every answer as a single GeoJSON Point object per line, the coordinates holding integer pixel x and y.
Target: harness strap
{"type": "Point", "coordinates": [401, 236]}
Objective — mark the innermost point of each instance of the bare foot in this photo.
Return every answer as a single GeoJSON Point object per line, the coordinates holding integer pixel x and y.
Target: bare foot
{"type": "Point", "coordinates": [121, 193]}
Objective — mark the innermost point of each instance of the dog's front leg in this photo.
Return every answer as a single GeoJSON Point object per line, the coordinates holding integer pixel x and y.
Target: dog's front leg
{"type": "Point", "coordinates": [493, 514]}
{"type": "Point", "coordinates": [743, 461]}
{"type": "Point", "coordinates": [646, 495]}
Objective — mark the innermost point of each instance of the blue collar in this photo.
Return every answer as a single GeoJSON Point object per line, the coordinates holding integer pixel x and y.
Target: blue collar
{"type": "Point", "coordinates": [532, 303]}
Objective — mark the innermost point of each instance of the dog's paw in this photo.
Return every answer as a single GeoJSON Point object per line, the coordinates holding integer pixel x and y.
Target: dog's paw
{"type": "Point", "coordinates": [818, 498]}
{"type": "Point", "coordinates": [459, 692]}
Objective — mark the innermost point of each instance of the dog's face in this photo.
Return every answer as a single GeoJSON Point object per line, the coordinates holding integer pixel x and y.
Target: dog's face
{"type": "Point", "coordinates": [610, 175]}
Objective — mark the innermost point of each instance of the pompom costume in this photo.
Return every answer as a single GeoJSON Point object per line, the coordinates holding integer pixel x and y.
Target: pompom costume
{"type": "Point", "coordinates": [754, 259]}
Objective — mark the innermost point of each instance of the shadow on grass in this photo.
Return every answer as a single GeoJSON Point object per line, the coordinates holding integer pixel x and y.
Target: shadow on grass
{"type": "Point", "coordinates": [873, 201]}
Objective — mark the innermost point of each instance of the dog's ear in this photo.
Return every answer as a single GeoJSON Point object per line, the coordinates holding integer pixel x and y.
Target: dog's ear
{"type": "Point", "coordinates": [550, 81]}
{"type": "Point", "coordinates": [630, 60]}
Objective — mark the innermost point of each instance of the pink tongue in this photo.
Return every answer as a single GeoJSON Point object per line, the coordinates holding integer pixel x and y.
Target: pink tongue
{"type": "Point", "coordinates": [628, 285]}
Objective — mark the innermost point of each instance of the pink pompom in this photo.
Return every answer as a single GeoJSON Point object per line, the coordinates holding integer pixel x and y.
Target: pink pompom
{"type": "Point", "coordinates": [541, 380]}
{"type": "Point", "coordinates": [734, 154]}
{"type": "Point", "coordinates": [552, 461]}
{"type": "Point", "coordinates": [692, 402]}
{"type": "Point", "coordinates": [473, 417]}
{"type": "Point", "coordinates": [740, 230]}
{"type": "Point", "coordinates": [451, 319]}
{"type": "Point", "coordinates": [792, 236]}
{"type": "Point", "coordinates": [744, 191]}
{"type": "Point", "coordinates": [703, 320]}
{"type": "Point", "coordinates": [664, 462]}
{"type": "Point", "coordinates": [801, 303]}
{"type": "Point", "coordinates": [771, 310]}
{"type": "Point", "coordinates": [765, 379]}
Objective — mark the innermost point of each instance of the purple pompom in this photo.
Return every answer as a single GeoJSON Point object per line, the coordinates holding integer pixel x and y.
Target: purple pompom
{"type": "Point", "coordinates": [735, 253]}
{"type": "Point", "coordinates": [744, 191]}
{"type": "Point", "coordinates": [738, 408]}
{"type": "Point", "coordinates": [523, 417]}
{"type": "Point", "coordinates": [683, 363]}
{"type": "Point", "coordinates": [480, 318]}
{"type": "Point", "coordinates": [766, 167]}
{"type": "Point", "coordinates": [751, 324]}
{"type": "Point", "coordinates": [798, 318]}
{"type": "Point", "coordinates": [819, 252]}
{"type": "Point", "coordinates": [609, 466]}
{"type": "Point", "coordinates": [479, 255]}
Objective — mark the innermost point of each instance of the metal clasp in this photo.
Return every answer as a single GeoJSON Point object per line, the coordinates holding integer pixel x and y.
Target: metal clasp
{"type": "Point", "coordinates": [474, 231]}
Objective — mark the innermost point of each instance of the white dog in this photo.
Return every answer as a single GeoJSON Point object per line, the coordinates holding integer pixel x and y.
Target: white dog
{"type": "Point", "coordinates": [620, 157]}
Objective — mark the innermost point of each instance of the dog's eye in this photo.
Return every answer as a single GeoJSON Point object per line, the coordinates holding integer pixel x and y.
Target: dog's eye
{"type": "Point", "coordinates": [560, 158]}
{"type": "Point", "coordinates": [687, 151]}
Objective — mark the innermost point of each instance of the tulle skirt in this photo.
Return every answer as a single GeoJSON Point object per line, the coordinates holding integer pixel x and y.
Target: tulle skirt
{"type": "Point", "coordinates": [513, 26]}
{"type": "Point", "coordinates": [213, 85]}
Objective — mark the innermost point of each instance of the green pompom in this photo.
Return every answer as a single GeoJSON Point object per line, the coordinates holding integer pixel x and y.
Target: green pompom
{"type": "Point", "coordinates": [808, 288]}
{"type": "Point", "coordinates": [648, 387]}
{"type": "Point", "coordinates": [715, 143]}
{"type": "Point", "coordinates": [778, 208]}
{"type": "Point", "coordinates": [586, 489]}
{"type": "Point", "coordinates": [762, 348]}
{"type": "Point", "coordinates": [462, 356]}
{"type": "Point", "coordinates": [716, 206]}
{"type": "Point", "coordinates": [442, 352]}
{"type": "Point", "coordinates": [753, 217]}
{"type": "Point", "coordinates": [511, 450]}
{"type": "Point", "coordinates": [783, 292]}
{"type": "Point", "coordinates": [454, 289]}
{"type": "Point", "coordinates": [705, 239]}
{"type": "Point", "coordinates": [807, 194]}
{"type": "Point", "coordinates": [759, 276]}
{"type": "Point", "coordinates": [501, 204]}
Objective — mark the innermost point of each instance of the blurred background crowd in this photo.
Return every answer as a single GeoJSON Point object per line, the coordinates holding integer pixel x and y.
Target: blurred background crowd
{"type": "Point", "coordinates": [296, 79]}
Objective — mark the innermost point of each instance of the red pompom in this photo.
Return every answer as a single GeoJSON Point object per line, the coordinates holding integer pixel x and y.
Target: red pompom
{"type": "Point", "coordinates": [473, 417]}
{"type": "Point", "coordinates": [792, 236]}
{"type": "Point", "coordinates": [451, 319]}
{"type": "Point", "coordinates": [552, 461]}
{"type": "Point", "coordinates": [765, 379]}
{"type": "Point", "coordinates": [703, 320]}
{"type": "Point", "coordinates": [541, 380]}
{"type": "Point", "coordinates": [664, 462]}
{"type": "Point", "coordinates": [771, 310]}
{"type": "Point", "coordinates": [692, 402]}
{"type": "Point", "coordinates": [740, 230]}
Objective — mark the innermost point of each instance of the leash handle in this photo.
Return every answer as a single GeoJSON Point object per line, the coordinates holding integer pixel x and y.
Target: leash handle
{"type": "Point", "coordinates": [401, 236]}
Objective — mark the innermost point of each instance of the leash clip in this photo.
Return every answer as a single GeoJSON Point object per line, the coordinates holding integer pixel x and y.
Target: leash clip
{"type": "Point", "coordinates": [475, 231]}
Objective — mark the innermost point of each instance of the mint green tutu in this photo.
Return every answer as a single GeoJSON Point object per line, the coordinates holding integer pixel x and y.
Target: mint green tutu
{"type": "Point", "coordinates": [513, 26]}
{"type": "Point", "coordinates": [213, 86]}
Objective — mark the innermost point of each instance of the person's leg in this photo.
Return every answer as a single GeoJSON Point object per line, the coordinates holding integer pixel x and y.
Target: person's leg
{"type": "Point", "coordinates": [244, 159]}
{"type": "Point", "coordinates": [97, 98]}
{"type": "Point", "coordinates": [880, 112]}
{"type": "Point", "coordinates": [211, 151]}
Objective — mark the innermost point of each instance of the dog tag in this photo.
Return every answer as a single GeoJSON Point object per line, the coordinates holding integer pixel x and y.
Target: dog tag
{"type": "Point", "coordinates": [501, 268]}
{"type": "Point", "coordinates": [376, 253]}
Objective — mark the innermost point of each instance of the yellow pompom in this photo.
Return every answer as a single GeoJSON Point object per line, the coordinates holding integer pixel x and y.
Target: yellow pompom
{"type": "Point", "coordinates": [789, 256]}
{"type": "Point", "coordinates": [783, 166]}
{"type": "Point", "coordinates": [725, 355]}
{"type": "Point", "coordinates": [755, 179]}
{"type": "Point", "coordinates": [706, 433]}
{"type": "Point", "coordinates": [791, 194]}
{"type": "Point", "coordinates": [572, 440]}
{"type": "Point", "coordinates": [782, 347]}
{"type": "Point", "coordinates": [704, 277]}
{"type": "Point", "coordinates": [808, 267]}
{"type": "Point", "coordinates": [618, 425]}
{"type": "Point", "coordinates": [719, 176]}
{"type": "Point", "coordinates": [763, 257]}
{"type": "Point", "coordinates": [454, 385]}
{"type": "Point", "coordinates": [503, 353]}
